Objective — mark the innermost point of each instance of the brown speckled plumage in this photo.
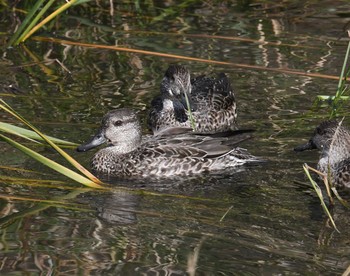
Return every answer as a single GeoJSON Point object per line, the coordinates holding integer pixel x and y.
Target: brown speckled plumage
{"type": "Point", "coordinates": [333, 139]}
{"type": "Point", "coordinates": [212, 102]}
{"type": "Point", "coordinates": [128, 155]}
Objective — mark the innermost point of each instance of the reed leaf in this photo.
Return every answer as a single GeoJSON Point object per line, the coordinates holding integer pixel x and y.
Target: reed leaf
{"type": "Point", "coordinates": [51, 164]}
{"type": "Point", "coordinates": [50, 17]}
{"type": "Point", "coordinates": [25, 22]}
{"type": "Point", "coordinates": [320, 195]}
{"type": "Point", "coordinates": [34, 21]}
{"type": "Point", "coordinates": [342, 78]}
{"type": "Point", "coordinates": [31, 135]}
{"type": "Point", "coordinates": [203, 36]}
{"type": "Point", "coordinates": [228, 210]}
{"type": "Point", "coordinates": [70, 159]}
{"type": "Point", "coordinates": [40, 205]}
{"type": "Point", "coordinates": [342, 201]}
{"type": "Point", "coordinates": [20, 170]}
{"type": "Point", "coordinates": [346, 272]}
{"type": "Point", "coordinates": [190, 112]}
{"type": "Point", "coordinates": [166, 55]}
{"type": "Point", "coordinates": [342, 87]}
{"type": "Point", "coordinates": [331, 98]}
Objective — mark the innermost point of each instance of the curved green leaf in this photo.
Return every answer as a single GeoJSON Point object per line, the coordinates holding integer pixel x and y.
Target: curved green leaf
{"type": "Point", "coordinates": [70, 159]}
{"type": "Point", "coordinates": [30, 135]}
{"type": "Point", "coordinates": [52, 164]}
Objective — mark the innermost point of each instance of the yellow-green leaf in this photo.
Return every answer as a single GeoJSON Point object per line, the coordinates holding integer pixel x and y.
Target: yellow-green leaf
{"type": "Point", "coordinates": [70, 159]}
{"type": "Point", "coordinates": [30, 135]}
{"type": "Point", "coordinates": [52, 164]}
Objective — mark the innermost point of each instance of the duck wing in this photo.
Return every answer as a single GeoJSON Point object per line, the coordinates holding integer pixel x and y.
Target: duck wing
{"type": "Point", "coordinates": [209, 93]}
{"type": "Point", "coordinates": [194, 145]}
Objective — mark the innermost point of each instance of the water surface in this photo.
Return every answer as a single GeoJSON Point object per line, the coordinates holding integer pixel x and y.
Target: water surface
{"type": "Point", "coordinates": [262, 219]}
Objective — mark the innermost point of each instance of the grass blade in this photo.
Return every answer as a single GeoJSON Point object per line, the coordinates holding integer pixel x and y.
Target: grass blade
{"type": "Point", "coordinates": [166, 55]}
{"type": "Point", "coordinates": [52, 164]}
{"type": "Point", "coordinates": [228, 210]}
{"type": "Point", "coordinates": [190, 112]}
{"type": "Point", "coordinates": [52, 16]}
{"type": "Point", "coordinates": [320, 196]}
{"type": "Point", "coordinates": [331, 98]}
{"type": "Point", "coordinates": [342, 80]}
{"type": "Point", "coordinates": [11, 131]}
{"type": "Point", "coordinates": [43, 205]}
{"type": "Point", "coordinates": [35, 20]}
{"type": "Point", "coordinates": [29, 16]}
{"type": "Point", "coordinates": [342, 201]}
{"type": "Point", "coordinates": [70, 159]}
{"type": "Point", "coordinates": [30, 135]}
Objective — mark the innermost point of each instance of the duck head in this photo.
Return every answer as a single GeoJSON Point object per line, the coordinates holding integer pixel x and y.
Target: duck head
{"type": "Point", "coordinates": [323, 136]}
{"type": "Point", "coordinates": [119, 128]}
{"type": "Point", "coordinates": [176, 81]}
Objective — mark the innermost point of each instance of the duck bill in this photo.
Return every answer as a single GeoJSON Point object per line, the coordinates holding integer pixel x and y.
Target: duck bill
{"type": "Point", "coordinates": [308, 146]}
{"type": "Point", "coordinates": [95, 141]}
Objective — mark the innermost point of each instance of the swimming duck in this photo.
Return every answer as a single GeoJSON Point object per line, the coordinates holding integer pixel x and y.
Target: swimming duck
{"type": "Point", "coordinates": [333, 140]}
{"type": "Point", "coordinates": [212, 102]}
{"type": "Point", "coordinates": [127, 154]}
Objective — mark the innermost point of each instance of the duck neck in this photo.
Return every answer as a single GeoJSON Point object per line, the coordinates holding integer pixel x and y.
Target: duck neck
{"type": "Point", "coordinates": [339, 149]}
{"type": "Point", "coordinates": [122, 148]}
{"type": "Point", "coordinates": [125, 141]}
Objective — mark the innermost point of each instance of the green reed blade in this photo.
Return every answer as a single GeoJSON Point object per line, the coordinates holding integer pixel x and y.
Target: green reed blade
{"type": "Point", "coordinates": [228, 210]}
{"type": "Point", "coordinates": [331, 98]}
{"type": "Point", "coordinates": [52, 16]}
{"type": "Point", "coordinates": [342, 201]}
{"type": "Point", "coordinates": [29, 16]}
{"type": "Point", "coordinates": [35, 20]}
{"type": "Point", "coordinates": [31, 135]}
{"type": "Point", "coordinates": [51, 164]}
{"type": "Point", "coordinates": [342, 81]}
{"type": "Point", "coordinates": [70, 159]}
{"type": "Point", "coordinates": [320, 196]}
{"type": "Point", "coordinates": [190, 112]}
{"type": "Point", "coordinates": [8, 129]}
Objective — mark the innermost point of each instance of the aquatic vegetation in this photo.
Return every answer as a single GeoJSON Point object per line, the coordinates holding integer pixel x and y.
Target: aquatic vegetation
{"type": "Point", "coordinates": [336, 102]}
{"type": "Point", "coordinates": [88, 179]}
{"type": "Point", "coordinates": [319, 192]}
{"type": "Point", "coordinates": [28, 27]}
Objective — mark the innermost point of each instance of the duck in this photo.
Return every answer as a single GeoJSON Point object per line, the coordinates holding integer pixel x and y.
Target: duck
{"type": "Point", "coordinates": [212, 102]}
{"type": "Point", "coordinates": [332, 138]}
{"type": "Point", "coordinates": [128, 154]}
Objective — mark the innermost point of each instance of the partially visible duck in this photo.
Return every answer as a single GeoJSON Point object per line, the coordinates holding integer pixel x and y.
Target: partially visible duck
{"type": "Point", "coordinates": [128, 155]}
{"type": "Point", "coordinates": [332, 138]}
{"type": "Point", "coordinates": [212, 102]}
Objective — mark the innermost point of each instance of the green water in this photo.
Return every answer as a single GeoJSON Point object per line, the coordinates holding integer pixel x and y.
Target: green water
{"type": "Point", "coordinates": [257, 220]}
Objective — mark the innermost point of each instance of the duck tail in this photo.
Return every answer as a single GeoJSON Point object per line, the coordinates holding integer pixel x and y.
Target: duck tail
{"type": "Point", "coordinates": [241, 156]}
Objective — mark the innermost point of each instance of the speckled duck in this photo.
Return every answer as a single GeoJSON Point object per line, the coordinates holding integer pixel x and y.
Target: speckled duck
{"type": "Point", "coordinates": [212, 102]}
{"type": "Point", "coordinates": [127, 154]}
{"type": "Point", "coordinates": [332, 138]}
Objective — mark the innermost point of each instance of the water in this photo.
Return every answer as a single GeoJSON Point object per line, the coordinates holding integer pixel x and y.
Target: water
{"type": "Point", "coordinates": [262, 219]}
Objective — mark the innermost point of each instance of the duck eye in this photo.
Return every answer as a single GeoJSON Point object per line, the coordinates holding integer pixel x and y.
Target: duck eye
{"type": "Point", "coordinates": [118, 123]}
{"type": "Point", "coordinates": [320, 131]}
